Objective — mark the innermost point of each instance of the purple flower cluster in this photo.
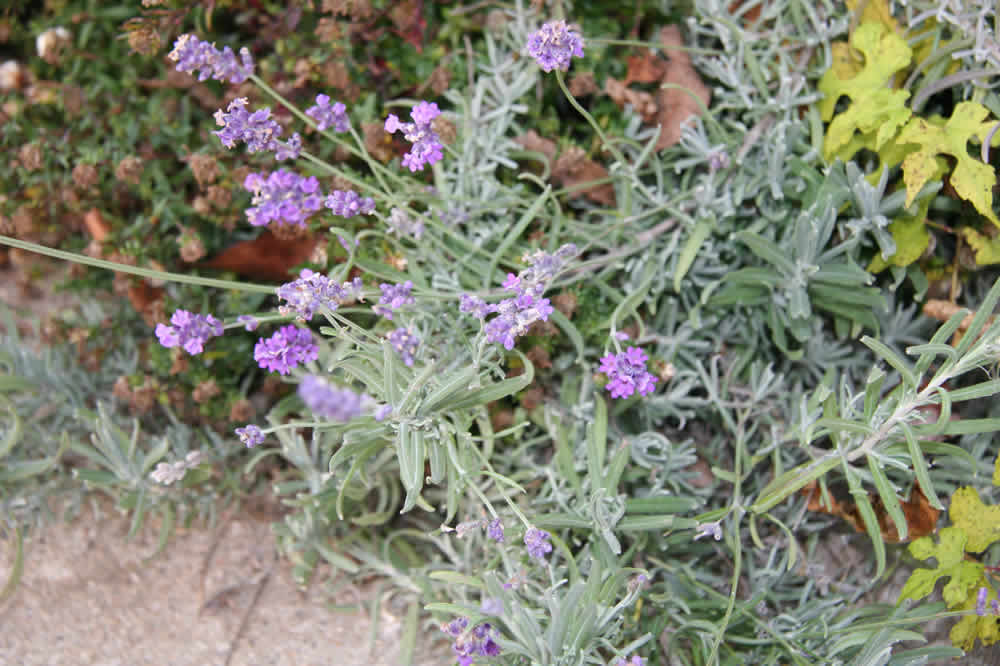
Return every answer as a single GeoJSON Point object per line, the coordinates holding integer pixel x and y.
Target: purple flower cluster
{"type": "Point", "coordinates": [327, 401]}
{"type": "Point", "coordinates": [981, 597]}
{"type": "Point", "coordinates": [517, 314]}
{"type": "Point", "coordinates": [190, 54]}
{"type": "Point", "coordinates": [627, 373]}
{"type": "Point", "coordinates": [537, 543]}
{"type": "Point", "coordinates": [287, 348]}
{"type": "Point", "coordinates": [327, 116]}
{"type": "Point", "coordinates": [256, 129]}
{"type": "Point", "coordinates": [494, 530]}
{"type": "Point", "coordinates": [405, 343]}
{"type": "Point", "coordinates": [469, 644]}
{"type": "Point", "coordinates": [189, 331]}
{"type": "Point", "coordinates": [282, 197]}
{"type": "Point", "coordinates": [394, 296]}
{"type": "Point", "coordinates": [427, 147]}
{"type": "Point", "coordinates": [348, 203]}
{"type": "Point", "coordinates": [250, 435]}
{"type": "Point", "coordinates": [554, 45]}
{"type": "Point", "coordinates": [312, 291]}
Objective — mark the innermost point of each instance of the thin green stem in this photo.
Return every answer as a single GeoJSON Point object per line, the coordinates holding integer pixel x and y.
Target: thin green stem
{"type": "Point", "coordinates": [135, 270]}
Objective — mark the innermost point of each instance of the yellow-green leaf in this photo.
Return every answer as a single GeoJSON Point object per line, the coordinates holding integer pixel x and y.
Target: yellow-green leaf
{"type": "Point", "coordinates": [875, 11]}
{"type": "Point", "coordinates": [875, 108]}
{"type": "Point", "coordinates": [986, 249]}
{"type": "Point", "coordinates": [972, 179]}
{"type": "Point", "coordinates": [980, 523]}
{"type": "Point", "coordinates": [912, 238]}
{"type": "Point", "coordinates": [986, 628]}
{"type": "Point", "coordinates": [996, 472]}
{"type": "Point", "coordinates": [951, 563]}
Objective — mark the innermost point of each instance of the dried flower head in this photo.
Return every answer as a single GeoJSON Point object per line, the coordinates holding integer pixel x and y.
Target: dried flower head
{"type": "Point", "coordinates": [84, 176]}
{"type": "Point", "coordinates": [204, 167]}
{"type": "Point", "coordinates": [51, 43]}
{"type": "Point", "coordinates": [129, 170]}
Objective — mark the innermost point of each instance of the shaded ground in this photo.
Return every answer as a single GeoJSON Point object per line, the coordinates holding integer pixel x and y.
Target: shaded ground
{"type": "Point", "coordinates": [88, 596]}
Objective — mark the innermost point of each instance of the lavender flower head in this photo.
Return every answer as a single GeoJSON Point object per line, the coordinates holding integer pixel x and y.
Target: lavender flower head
{"type": "Point", "coordinates": [250, 435]}
{"type": "Point", "coordinates": [347, 203]}
{"type": "Point", "coordinates": [427, 145]}
{"type": "Point", "coordinates": [554, 45]}
{"type": "Point", "coordinates": [249, 322]}
{"type": "Point", "coordinates": [518, 313]}
{"type": "Point", "coordinates": [190, 54]}
{"type": "Point", "coordinates": [312, 291]}
{"type": "Point", "coordinates": [627, 373]}
{"type": "Point", "coordinates": [257, 130]}
{"type": "Point", "coordinates": [479, 642]}
{"type": "Point", "coordinates": [537, 543]}
{"type": "Point", "coordinates": [282, 197]}
{"type": "Point", "coordinates": [495, 530]}
{"type": "Point", "coordinates": [327, 116]}
{"type": "Point", "coordinates": [327, 401]}
{"type": "Point", "coordinates": [394, 296]}
{"type": "Point", "coordinates": [189, 331]}
{"type": "Point", "coordinates": [405, 343]}
{"type": "Point", "coordinates": [287, 348]}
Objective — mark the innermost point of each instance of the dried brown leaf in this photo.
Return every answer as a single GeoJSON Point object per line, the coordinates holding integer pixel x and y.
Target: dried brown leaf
{"type": "Point", "coordinates": [265, 257]}
{"type": "Point", "coordinates": [677, 105]}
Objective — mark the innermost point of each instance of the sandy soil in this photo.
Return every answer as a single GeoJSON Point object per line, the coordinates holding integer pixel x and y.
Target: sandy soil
{"type": "Point", "coordinates": [89, 597]}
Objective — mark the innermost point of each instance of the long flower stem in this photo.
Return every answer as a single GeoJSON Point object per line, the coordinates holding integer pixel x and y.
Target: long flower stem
{"type": "Point", "coordinates": [135, 270]}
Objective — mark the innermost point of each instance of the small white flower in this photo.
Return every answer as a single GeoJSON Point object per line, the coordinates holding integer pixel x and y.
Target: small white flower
{"type": "Point", "coordinates": [50, 43]}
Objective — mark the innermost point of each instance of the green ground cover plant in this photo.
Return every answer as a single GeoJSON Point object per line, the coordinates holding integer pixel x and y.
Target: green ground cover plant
{"type": "Point", "coordinates": [587, 344]}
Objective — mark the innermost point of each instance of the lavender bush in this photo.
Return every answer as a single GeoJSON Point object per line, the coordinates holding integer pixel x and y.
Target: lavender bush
{"type": "Point", "coordinates": [529, 410]}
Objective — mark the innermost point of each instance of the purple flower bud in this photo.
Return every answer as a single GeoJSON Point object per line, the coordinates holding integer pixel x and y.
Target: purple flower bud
{"type": "Point", "coordinates": [427, 147]}
{"type": "Point", "coordinates": [554, 45]}
{"type": "Point", "coordinates": [393, 298]}
{"type": "Point", "coordinates": [282, 197]}
{"type": "Point", "coordinates": [250, 435]}
{"type": "Point", "coordinates": [327, 116]}
{"type": "Point", "coordinates": [405, 343]}
{"type": "Point", "coordinates": [190, 54]}
{"type": "Point", "coordinates": [491, 606]}
{"type": "Point", "coordinates": [627, 373]}
{"type": "Point", "coordinates": [286, 349]}
{"type": "Point", "coordinates": [312, 291]}
{"type": "Point", "coordinates": [249, 322]}
{"type": "Point", "coordinates": [188, 331]}
{"type": "Point", "coordinates": [537, 543]}
{"type": "Point", "coordinates": [347, 203]}
{"type": "Point", "coordinates": [495, 530]}
{"type": "Point", "coordinates": [327, 401]}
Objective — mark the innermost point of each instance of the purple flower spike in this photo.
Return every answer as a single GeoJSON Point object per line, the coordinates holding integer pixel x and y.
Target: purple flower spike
{"type": "Point", "coordinates": [394, 296]}
{"type": "Point", "coordinates": [627, 373]}
{"type": "Point", "coordinates": [427, 147]}
{"type": "Point", "coordinates": [190, 54]}
{"type": "Point", "coordinates": [250, 435]}
{"type": "Point", "coordinates": [286, 349]}
{"type": "Point", "coordinates": [479, 642]}
{"type": "Point", "coordinates": [189, 331]}
{"type": "Point", "coordinates": [313, 291]}
{"type": "Point", "coordinates": [257, 130]}
{"type": "Point", "coordinates": [405, 343]}
{"type": "Point", "coordinates": [495, 530]}
{"type": "Point", "coordinates": [327, 116]}
{"type": "Point", "coordinates": [554, 45]}
{"type": "Point", "coordinates": [347, 203]}
{"type": "Point", "coordinates": [537, 543]}
{"type": "Point", "coordinates": [282, 197]}
{"type": "Point", "coordinates": [327, 401]}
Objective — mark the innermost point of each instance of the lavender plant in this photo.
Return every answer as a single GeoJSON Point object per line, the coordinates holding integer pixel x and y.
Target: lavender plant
{"type": "Point", "coordinates": [643, 505]}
